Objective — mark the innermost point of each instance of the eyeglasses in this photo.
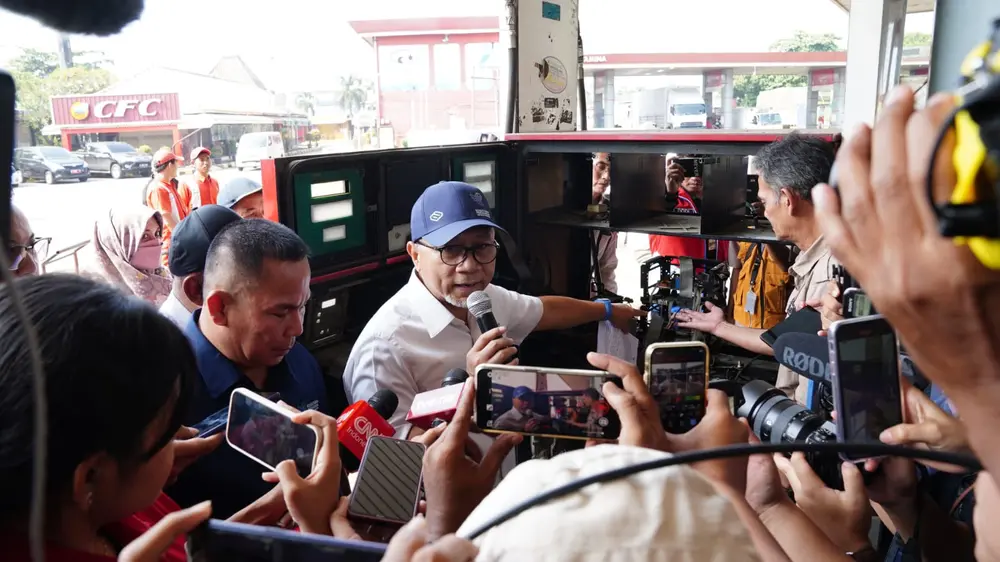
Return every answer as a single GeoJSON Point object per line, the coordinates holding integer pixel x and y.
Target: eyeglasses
{"type": "Point", "coordinates": [455, 255]}
{"type": "Point", "coordinates": [37, 247]}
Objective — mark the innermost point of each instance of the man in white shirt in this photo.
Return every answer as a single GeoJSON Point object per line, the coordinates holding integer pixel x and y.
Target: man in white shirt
{"type": "Point", "coordinates": [425, 329]}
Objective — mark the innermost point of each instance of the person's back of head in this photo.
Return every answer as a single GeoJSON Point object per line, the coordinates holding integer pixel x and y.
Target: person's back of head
{"type": "Point", "coordinates": [256, 287]}
{"type": "Point", "coordinates": [116, 378]}
{"type": "Point", "coordinates": [189, 246]}
{"type": "Point", "coordinates": [796, 162]}
{"type": "Point", "coordinates": [670, 513]}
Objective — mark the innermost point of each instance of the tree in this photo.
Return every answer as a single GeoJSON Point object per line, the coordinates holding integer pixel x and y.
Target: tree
{"type": "Point", "coordinates": [37, 77]}
{"type": "Point", "coordinates": [747, 87]}
{"type": "Point", "coordinates": [306, 102]}
{"type": "Point", "coordinates": [803, 42]}
{"type": "Point", "coordinates": [916, 39]}
{"type": "Point", "coordinates": [353, 94]}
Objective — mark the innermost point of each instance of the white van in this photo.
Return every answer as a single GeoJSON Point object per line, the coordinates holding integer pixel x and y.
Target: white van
{"type": "Point", "coordinates": [254, 147]}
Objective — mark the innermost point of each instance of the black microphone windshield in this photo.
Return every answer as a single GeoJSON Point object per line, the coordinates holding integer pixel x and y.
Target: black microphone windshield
{"type": "Point", "coordinates": [384, 402]}
{"type": "Point", "coordinates": [454, 376]}
{"type": "Point", "coordinates": [479, 303]}
{"type": "Point", "coordinates": [97, 17]}
{"type": "Point", "coordinates": [806, 354]}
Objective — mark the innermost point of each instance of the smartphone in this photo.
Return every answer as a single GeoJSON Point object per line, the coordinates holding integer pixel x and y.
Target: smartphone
{"type": "Point", "coordinates": [216, 423]}
{"type": "Point", "coordinates": [692, 166]}
{"type": "Point", "coordinates": [857, 303]}
{"type": "Point", "coordinates": [387, 489]}
{"type": "Point", "coordinates": [561, 403]}
{"type": "Point", "coordinates": [222, 541]}
{"type": "Point", "coordinates": [677, 376]}
{"type": "Point", "coordinates": [806, 320]}
{"type": "Point", "coordinates": [864, 372]}
{"type": "Point", "coordinates": [265, 432]}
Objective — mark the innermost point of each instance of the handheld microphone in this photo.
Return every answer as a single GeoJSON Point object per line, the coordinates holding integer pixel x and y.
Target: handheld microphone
{"type": "Point", "coordinates": [435, 406]}
{"type": "Point", "coordinates": [363, 420]}
{"type": "Point", "coordinates": [806, 354]}
{"type": "Point", "coordinates": [482, 308]}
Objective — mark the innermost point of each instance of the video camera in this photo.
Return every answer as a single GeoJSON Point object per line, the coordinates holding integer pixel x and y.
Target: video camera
{"type": "Point", "coordinates": [688, 285]}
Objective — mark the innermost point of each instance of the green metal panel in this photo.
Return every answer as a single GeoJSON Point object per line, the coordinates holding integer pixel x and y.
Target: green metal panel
{"type": "Point", "coordinates": [326, 228]}
{"type": "Point", "coordinates": [458, 172]}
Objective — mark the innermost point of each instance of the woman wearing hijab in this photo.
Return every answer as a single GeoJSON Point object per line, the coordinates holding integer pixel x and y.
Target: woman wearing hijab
{"type": "Point", "coordinates": [125, 252]}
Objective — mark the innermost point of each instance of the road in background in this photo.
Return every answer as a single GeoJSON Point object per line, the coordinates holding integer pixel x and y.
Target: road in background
{"type": "Point", "coordinates": [66, 212]}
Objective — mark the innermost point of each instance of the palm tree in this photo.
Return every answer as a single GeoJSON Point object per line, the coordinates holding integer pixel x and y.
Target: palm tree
{"type": "Point", "coordinates": [354, 94]}
{"type": "Point", "coordinates": [307, 103]}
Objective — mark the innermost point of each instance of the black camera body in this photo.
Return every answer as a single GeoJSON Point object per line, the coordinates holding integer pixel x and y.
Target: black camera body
{"type": "Point", "coordinates": [693, 283]}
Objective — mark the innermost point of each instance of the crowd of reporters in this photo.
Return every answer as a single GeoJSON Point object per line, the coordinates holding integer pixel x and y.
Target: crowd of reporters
{"type": "Point", "coordinates": [122, 382]}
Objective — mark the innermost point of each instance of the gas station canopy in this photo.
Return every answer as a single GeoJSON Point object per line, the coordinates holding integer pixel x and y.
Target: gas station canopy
{"type": "Point", "coordinates": [912, 7]}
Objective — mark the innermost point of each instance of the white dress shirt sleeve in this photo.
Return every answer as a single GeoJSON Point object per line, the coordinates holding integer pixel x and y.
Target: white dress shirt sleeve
{"type": "Point", "coordinates": [519, 313]}
{"type": "Point", "coordinates": [379, 365]}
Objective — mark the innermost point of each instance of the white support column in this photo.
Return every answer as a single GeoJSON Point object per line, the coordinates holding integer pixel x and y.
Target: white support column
{"type": "Point", "coordinates": [812, 101]}
{"type": "Point", "coordinates": [727, 98]}
{"type": "Point", "coordinates": [609, 99]}
{"type": "Point", "coordinates": [837, 101]}
{"type": "Point", "coordinates": [874, 52]}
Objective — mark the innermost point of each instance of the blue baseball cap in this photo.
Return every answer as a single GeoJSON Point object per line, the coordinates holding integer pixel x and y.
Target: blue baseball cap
{"type": "Point", "coordinates": [447, 209]}
{"type": "Point", "coordinates": [522, 391]}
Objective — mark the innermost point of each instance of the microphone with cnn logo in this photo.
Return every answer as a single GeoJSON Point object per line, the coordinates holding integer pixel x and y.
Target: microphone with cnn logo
{"type": "Point", "coordinates": [363, 420]}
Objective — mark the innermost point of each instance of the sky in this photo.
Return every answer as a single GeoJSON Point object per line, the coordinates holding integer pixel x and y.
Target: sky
{"type": "Point", "coordinates": [308, 44]}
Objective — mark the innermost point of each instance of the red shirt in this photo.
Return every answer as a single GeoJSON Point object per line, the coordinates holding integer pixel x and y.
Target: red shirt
{"type": "Point", "coordinates": [679, 245]}
{"type": "Point", "coordinates": [17, 549]}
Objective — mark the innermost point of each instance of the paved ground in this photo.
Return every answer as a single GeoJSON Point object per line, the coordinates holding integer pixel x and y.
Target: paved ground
{"type": "Point", "coordinates": [66, 211]}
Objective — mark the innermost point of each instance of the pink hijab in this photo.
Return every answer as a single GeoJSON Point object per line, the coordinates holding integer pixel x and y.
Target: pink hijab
{"type": "Point", "coordinates": [116, 239]}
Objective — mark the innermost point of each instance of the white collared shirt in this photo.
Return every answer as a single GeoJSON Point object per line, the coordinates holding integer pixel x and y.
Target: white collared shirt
{"type": "Point", "coordinates": [412, 342]}
{"type": "Point", "coordinates": [173, 309]}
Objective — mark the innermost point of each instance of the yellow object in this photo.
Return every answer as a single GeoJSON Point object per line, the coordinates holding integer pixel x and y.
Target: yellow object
{"type": "Point", "coordinates": [970, 157]}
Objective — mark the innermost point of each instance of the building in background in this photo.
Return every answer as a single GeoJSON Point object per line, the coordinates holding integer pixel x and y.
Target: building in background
{"type": "Point", "coordinates": [167, 107]}
{"type": "Point", "coordinates": [438, 78]}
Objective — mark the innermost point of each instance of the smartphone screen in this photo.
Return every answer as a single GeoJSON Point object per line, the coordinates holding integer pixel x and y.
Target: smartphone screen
{"type": "Point", "coordinates": [857, 304]}
{"type": "Point", "coordinates": [216, 423]}
{"type": "Point", "coordinates": [388, 486]}
{"type": "Point", "coordinates": [222, 541]}
{"type": "Point", "coordinates": [539, 401]}
{"type": "Point", "coordinates": [865, 373]}
{"type": "Point", "coordinates": [678, 379]}
{"type": "Point", "coordinates": [265, 432]}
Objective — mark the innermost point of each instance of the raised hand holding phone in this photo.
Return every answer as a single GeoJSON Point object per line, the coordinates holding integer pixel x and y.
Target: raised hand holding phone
{"type": "Point", "coordinates": [312, 500]}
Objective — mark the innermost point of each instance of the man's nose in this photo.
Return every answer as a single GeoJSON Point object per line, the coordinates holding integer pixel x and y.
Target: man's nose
{"type": "Point", "coordinates": [469, 264]}
{"type": "Point", "coordinates": [296, 324]}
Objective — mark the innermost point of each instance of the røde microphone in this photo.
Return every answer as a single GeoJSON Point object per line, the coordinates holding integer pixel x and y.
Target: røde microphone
{"type": "Point", "coordinates": [482, 308]}
{"type": "Point", "coordinates": [438, 404]}
{"type": "Point", "coordinates": [806, 354]}
{"type": "Point", "coordinates": [363, 420]}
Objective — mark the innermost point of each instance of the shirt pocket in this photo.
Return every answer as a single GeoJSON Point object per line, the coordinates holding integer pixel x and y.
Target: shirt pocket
{"type": "Point", "coordinates": [775, 291]}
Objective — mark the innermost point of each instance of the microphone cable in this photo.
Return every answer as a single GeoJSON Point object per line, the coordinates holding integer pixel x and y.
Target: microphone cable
{"type": "Point", "coordinates": [36, 522]}
{"type": "Point", "coordinates": [860, 449]}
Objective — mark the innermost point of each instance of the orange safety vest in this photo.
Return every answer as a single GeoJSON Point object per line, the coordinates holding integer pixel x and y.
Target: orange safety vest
{"type": "Point", "coordinates": [759, 273]}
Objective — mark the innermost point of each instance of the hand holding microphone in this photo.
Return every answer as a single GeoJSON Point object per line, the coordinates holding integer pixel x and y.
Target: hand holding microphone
{"type": "Point", "coordinates": [492, 346]}
{"type": "Point", "coordinates": [429, 408]}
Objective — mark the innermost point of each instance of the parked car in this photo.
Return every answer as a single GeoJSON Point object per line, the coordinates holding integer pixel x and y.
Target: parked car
{"type": "Point", "coordinates": [50, 163]}
{"type": "Point", "coordinates": [15, 176]}
{"type": "Point", "coordinates": [254, 147]}
{"type": "Point", "coordinates": [116, 159]}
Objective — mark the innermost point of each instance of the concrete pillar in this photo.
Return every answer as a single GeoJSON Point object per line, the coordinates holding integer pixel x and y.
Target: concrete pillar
{"type": "Point", "coordinates": [874, 52]}
{"type": "Point", "coordinates": [959, 25]}
{"type": "Point", "coordinates": [609, 99]}
{"type": "Point", "coordinates": [598, 102]}
{"type": "Point", "coordinates": [727, 98]}
{"type": "Point", "coordinates": [837, 101]}
{"type": "Point", "coordinates": [812, 102]}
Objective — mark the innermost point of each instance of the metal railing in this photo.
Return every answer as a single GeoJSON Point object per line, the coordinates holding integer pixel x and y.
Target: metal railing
{"type": "Point", "coordinates": [67, 252]}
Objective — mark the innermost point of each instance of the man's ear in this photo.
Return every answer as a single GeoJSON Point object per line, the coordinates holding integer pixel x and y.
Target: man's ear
{"type": "Point", "coordinates": [217, 305]}
{"type": "Point", "coordinates": [193, 285]}
{"type": "Point", "coordinates": [790, 200]}
{"type": "Point", "coordinates": [411, 249]}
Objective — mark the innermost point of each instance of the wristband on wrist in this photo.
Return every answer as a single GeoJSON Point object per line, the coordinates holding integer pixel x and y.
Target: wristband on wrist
{"type": "Point", "coordinates": [607, 308]}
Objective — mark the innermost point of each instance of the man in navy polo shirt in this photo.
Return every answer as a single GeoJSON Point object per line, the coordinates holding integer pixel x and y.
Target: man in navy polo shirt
{"type": "Point", "coordinates": [255, 291]}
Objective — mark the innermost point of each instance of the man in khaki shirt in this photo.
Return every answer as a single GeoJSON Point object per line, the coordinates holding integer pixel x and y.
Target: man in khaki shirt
{"type": "Point", "coordinates": [787, 171]}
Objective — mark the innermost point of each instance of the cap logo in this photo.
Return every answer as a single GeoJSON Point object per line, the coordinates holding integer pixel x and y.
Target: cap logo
{"type": "Point", "coordinates": [477, 198]}
{"type": "Point", "coordinates": [436, 216]}
{"type": "Point", "coordinates": [482, 213]}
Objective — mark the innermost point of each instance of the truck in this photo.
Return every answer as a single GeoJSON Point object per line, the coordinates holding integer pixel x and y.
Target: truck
{"type": "Point", "coordinates": [671, 107]}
